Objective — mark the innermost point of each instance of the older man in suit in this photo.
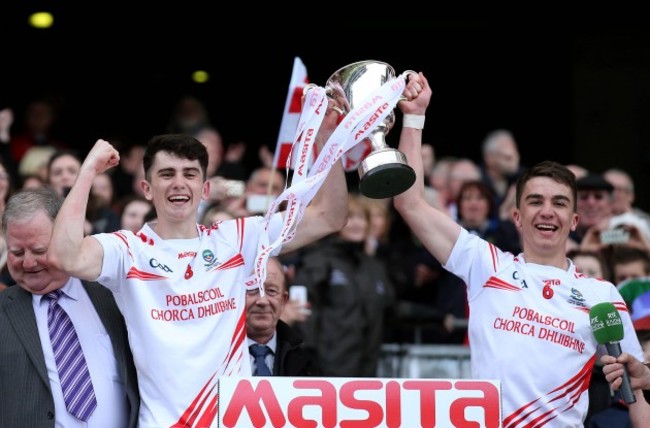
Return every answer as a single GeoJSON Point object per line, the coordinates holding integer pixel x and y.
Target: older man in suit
{"type": "Point", "coordinates": [31, 387]}
{"type": "Point", "coordinates": [264, 328]}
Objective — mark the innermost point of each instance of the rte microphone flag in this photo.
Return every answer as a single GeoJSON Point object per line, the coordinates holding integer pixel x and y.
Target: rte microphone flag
{"type": "Point", "coordinates": [291, 115]}
{"type": "Point", "coordinates": [607, 327]}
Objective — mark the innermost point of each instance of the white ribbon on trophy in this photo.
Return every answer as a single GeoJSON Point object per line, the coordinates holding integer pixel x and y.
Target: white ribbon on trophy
{"type": "Point", "coordinates": [306, 181]}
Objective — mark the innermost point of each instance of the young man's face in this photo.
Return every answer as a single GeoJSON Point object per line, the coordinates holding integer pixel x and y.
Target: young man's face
{"type": "Point", "coordinates": [545, 216]}
{"type": "Point", "coordinates": [175, 186]}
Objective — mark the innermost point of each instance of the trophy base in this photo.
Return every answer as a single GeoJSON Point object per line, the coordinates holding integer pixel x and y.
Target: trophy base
{"type": "Point", "coordinates": [385, 174]}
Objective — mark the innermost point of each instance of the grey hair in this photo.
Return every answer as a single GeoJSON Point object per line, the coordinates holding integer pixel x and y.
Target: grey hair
{"type": "Point", "coordinates": [489, 143]}
{"type": "Point", "coordinates": [24, 204]}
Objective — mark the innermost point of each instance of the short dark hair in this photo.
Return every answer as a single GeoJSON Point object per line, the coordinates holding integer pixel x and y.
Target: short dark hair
{"type": "Point", "coordinates": [624, 254]}
{"type": "Point", "coordinates": [553, 170]}
{"type": "Point", "coordinates": [180, 145]}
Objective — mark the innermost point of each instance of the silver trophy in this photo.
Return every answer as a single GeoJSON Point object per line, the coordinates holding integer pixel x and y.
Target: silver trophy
{"type": "Point", "coordinates": [384, 172]}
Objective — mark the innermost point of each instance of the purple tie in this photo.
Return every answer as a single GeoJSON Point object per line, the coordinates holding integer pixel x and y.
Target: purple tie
{"type": "Point", "coordinates": [77, 387]}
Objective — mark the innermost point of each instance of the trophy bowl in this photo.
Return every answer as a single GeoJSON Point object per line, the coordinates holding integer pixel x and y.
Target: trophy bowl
{"type": "Point", "coordinates": [384, 172]}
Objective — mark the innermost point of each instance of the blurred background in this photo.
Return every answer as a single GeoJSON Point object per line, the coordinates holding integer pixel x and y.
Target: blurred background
{"type": "Point", "coordinates": [575, 90]}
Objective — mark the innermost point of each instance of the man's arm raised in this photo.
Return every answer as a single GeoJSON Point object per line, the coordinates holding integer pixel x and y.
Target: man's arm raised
{"type": "Point", "coordinates": [435, 229]}
{"type": "Point", "coordinates": [69, 250]}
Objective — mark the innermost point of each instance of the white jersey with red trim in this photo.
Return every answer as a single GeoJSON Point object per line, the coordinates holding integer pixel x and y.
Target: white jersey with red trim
{"type": "Point", "coordinates": [529, 328]}
{"type": "Point", "coordinates": [184, 304]}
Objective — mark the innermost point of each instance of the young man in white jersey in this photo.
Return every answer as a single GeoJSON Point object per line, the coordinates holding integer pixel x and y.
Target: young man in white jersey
{"type": "Point", "coordinates": [180, 285]}
{"type": "Point", "coordinates": [529, 324]}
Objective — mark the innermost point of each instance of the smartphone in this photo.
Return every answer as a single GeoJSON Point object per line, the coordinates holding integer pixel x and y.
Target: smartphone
{"type": "Point", "coordinates": [299, 293]}
{"type": "Point", "coordinates": [258, 204]}
{"type": "Point", "coordinates": [614, 236]}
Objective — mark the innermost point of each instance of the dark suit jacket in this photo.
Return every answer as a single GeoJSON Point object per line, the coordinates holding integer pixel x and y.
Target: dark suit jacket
{"type": "Point", "coordinates": [25, 395]}
{"type": "Point", "coordinates": [290, 358]}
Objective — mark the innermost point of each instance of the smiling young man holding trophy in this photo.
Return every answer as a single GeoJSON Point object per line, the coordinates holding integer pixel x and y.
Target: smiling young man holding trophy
{"type": "Point", "coordinates": [534, 301]}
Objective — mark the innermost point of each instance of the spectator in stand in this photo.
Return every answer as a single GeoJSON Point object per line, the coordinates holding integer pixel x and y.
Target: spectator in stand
{"type": "Point", "coordinates": [475, 204]}
{"type": "Point", "coordinates": [125, 176]}
{"type": "Point", "coordinates": [460, 171]}
{"type": "Point", "coordinates": [590, 263]}
{"type": "Point", "coordinates": [623, 204]}
{"type": "Point", "coordinates": [6, 120]}
{"type": "Point", "coordinates": [37, 130]}
{"type": "Point", "coordinates": [264, 327]}
{"type": "Point", "coordinates": [629, 262]}
{"type": "Point", "coordinates": [227, 165]}
{"type": "Point", "coordinates": [62, 171]}
{"type": "Point", "coordinates": [6, 185]}
{"type": "Point", "coordinates": [577, 170]}
{"type": "Point", "coordinates": [215, 213]}
{"type": "Point", "coordinates": [6, 190]}
{"type": "Point", "coordinates": [428, 161]}
{"type": "Point", "coordinates": [594, 204]}
{"type": "Point", "coordinates": [349, 292]}
{"type": "Point", "coordinates": [262, 187]}
{"type": "Point", "coordinates": [439, 177]}
{"type": "Point", "coordinates": [31, 182]}
{"type": "Point", "coordinates": [379, 227]}
{"type": "Point", "coordinates": [30, 384]}
{"type": "Point", "coordinates": [189, 116]}
{"type": "Point", "coordinates": [133, 212]}
{"type": "Point", "coordinates": [500, 167]}
{"type": "Point", "coordinates": [103, 190]}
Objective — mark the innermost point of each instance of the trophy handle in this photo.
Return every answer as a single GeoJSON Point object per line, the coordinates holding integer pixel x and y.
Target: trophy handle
{"type": "Point", "coordinates": [405, 75]}
{"type": "Point", "coordinates": [308, 87]}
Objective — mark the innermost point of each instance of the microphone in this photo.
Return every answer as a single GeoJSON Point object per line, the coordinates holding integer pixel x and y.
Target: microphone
{"type": "Point", "coordinates": [607, 326]}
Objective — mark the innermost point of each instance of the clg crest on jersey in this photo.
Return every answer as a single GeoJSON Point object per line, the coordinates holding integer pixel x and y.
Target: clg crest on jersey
{"type": "Point", "coordinates": [209, 259]}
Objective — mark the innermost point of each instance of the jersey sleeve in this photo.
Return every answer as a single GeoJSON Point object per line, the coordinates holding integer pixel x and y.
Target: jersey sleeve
{"type": "Point", "coordinates": [474, 260]}
{"type": "Point", "coordinates": [116, 249]}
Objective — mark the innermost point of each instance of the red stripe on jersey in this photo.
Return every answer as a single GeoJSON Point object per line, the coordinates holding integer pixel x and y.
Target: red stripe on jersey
{"type": "Point", "coordinates": [494, 254]}
{"type": "Point", "coordinates": [495, 282]}
{"type": "Point", "coordinates": [573, 388]}
{"type": "Point", "coordinates": [240, 232]}
{"type": "Point", "coordinates": [620, 306]}
{"type": "Point", "coordinates": [145, 276]}
{"type": "Point", "coordinates": [236, 261]}
{"type": "Point", "coordinates": [193, 411]}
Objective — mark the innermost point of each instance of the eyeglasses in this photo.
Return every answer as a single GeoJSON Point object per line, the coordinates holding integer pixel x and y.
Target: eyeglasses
{"type": "Point", "coordinates": [271, 292]}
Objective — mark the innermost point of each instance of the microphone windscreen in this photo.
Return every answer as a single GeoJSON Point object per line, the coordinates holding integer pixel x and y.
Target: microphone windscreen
{"type": "Point", "coordinates": [606, 323]}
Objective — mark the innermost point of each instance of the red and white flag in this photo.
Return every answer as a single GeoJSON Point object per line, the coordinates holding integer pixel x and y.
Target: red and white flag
{"type": "Point", "coordinates": [292, 109]}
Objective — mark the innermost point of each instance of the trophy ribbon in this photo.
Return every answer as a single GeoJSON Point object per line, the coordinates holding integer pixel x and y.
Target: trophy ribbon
{"type": "Point", "coordinates": [306, 181]}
